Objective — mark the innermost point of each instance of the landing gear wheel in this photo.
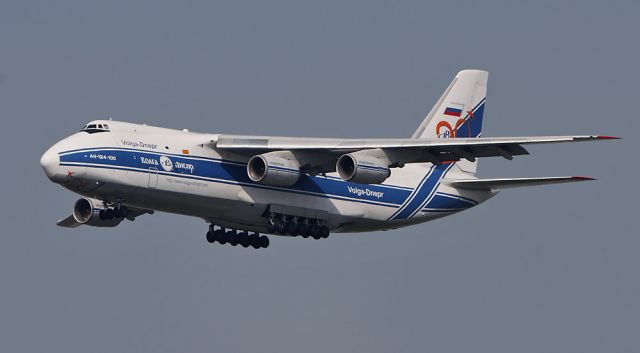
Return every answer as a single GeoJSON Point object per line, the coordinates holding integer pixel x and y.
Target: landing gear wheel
{"type": "Point", "coordinates": [108, 214]}
{"type": "Point", "coordinates": [232, 237]}
{"type": "Point", "coordinates": [314, 230]}
{"type": "Point", "coordinates": [303, 228]}
{"type": "Point", "coordinates": [102, 214]}
{"type": "Point", "coordinates": [254, 241]}
{"type": "Point", "coordinates": [220, 236]}
{"type": "Point", "coordinates": [211, 237]}
{"type": "Point", "coordinates": [324, 232]}
{"type": "Point", "coordinates": [280, 226]}
{"type": "Point", "coordinates": [243, 239]}
{"type": "Point", "coordinates": [264, 241]}
{"type": "Point", "coordinates": [292, 229]}
{"type": "Point", "coordinates": [123, 211]}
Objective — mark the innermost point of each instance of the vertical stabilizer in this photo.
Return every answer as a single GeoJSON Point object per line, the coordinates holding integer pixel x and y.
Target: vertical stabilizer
{"type": "Point", "coordinates": [458, 112]}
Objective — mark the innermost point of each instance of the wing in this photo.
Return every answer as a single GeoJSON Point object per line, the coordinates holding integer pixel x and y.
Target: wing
{"type": "Point", "coordinates": [409, 150]}
{"type": "Point", "coordinates": [504, 183]}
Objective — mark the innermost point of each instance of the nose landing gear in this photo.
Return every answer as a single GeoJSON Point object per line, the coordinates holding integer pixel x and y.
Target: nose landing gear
{"type": "Point", "coordinates": [234, 237]}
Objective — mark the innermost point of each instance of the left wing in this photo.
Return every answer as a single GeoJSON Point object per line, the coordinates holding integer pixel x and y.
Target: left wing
{"type": "Point", "coordinates": [410, 150]}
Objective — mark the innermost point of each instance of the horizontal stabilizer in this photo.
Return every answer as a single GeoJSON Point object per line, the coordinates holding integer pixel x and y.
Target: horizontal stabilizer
{"type": "Point", "coordinates": [504, 183]}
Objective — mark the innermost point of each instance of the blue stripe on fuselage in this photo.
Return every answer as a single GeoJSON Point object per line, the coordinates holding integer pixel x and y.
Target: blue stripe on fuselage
{"type": "Point", "coordinates": [424, 192]}
{"type": "Point", "coordinates": [231, 172]}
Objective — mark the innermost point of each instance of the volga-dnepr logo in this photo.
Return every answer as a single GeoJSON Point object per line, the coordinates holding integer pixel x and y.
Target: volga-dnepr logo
{"type": "Point", "coordinates": [367, 192]}
{"type": "Point", "coordinates": [166, 163]}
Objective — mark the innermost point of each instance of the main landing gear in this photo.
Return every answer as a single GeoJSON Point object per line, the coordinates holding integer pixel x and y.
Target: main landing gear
{"type": "Point", "coordinates": [234, 237]}
{"type": "Point", "coordinates": [297, 226]}
{"type": "Point", "coordinates": [117, 211]}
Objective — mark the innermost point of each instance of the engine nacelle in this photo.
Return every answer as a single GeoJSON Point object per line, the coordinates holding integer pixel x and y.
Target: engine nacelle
{"type": "Point", "coordinates": [86, 213]}
{"type": "Point", "coordinates": [274, 169]}
{"type": "Point", "coordinates": [363, 169]}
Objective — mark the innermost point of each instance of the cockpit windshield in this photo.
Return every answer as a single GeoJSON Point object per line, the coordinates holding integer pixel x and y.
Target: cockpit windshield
{"type": "Point", "coordinates": [93, 128]}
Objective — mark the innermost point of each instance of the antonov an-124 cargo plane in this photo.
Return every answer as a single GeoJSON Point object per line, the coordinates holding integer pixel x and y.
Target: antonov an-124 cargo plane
{"type": "Point", "coordinates": [246, 185]}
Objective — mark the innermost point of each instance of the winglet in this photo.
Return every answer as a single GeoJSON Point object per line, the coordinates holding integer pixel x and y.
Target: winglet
{"type": "Point", "coordinates": [604, 137]}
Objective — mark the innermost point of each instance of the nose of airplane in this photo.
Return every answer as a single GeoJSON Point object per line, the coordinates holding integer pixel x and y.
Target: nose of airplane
{"type": "Point", "coordinates": [50, 162]}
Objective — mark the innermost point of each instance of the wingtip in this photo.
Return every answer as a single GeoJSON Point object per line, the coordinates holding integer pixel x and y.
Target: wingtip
{"type": "Point", "coordinates": [605, 137]}
{"type": "Point", "coordinates": [582, 178]}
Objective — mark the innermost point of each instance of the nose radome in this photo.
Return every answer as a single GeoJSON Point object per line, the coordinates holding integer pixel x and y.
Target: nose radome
{"type": "Point", "coordinates": [49, 162]}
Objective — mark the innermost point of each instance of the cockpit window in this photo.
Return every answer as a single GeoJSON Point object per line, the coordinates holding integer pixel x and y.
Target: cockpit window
{"type": "Point", "coordinates": [93, 128]}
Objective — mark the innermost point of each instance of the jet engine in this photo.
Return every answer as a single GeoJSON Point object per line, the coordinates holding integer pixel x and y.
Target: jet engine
{"type": "Point", "coordinates": [85, 212]}
{"type": "Point", "coordinates": [273, 168]}
{"type": "Point", "coordinates": [364, 169]}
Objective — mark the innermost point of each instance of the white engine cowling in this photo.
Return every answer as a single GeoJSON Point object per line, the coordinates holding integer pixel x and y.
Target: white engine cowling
{"type": "Point", "coordinates": [85, 212]}
{"type": "Point", "coordinates": [362, 169]}
{"type": "Point", "coordinates": [273, 169]}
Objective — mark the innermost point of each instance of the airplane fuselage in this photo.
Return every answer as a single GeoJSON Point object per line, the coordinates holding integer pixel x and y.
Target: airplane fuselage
{"type": "Point", "coordinates": [182, 172]}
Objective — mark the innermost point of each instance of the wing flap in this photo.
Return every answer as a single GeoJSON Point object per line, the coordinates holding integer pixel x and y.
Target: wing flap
{"type": "Point", "coordinates": [504, 183]}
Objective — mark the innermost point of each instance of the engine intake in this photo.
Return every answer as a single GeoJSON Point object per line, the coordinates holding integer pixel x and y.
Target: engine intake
{"type": "Point", "coordinates": [273, 169]}
{"type": "Point", "coordinates": [85, 212]}
{"type": "Point", "coordinates": [362, 169]}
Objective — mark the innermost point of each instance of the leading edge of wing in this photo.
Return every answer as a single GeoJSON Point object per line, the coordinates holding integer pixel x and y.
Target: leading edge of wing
{"type": "Point", "coordinates": [273, 143]}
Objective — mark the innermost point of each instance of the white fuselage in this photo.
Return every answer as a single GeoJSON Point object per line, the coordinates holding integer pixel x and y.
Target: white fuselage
{"type": "Point", "coordinates": [182, 172]}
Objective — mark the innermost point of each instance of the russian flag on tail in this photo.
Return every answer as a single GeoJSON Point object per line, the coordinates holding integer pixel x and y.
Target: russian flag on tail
{"type": "Point", "coordinates": [453, 111]}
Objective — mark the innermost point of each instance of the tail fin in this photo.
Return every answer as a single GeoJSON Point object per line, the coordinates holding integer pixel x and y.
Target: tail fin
{"type": "Point", "coordinates": [458, 112]}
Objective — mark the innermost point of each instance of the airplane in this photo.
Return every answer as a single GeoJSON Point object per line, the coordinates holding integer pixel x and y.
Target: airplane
{"type": "Point", "coordinates": [245, 186]}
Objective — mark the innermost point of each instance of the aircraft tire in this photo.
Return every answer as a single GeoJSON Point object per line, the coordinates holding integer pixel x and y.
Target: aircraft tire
{"type": "Point", "coordinates": [232, 238]}
{"type": "Point", "coordinates": [292, 229]}
{"type": "Point", "coordinates": [243, 239]}
{"type": "Point", "coordinates": [254, 241]}
{"type": "Point", "coordinates": [271, 229]}
{"type": "Point", "coordinates": [264, 241]}
{"type": "Point", "coordinates": [211, 237]}
{"type": "Point", "coordinates": [108, 214]}
{"type": "Point", "coordinates": [280, 227]}
{"type": "Point", "coordinates": [303, 228]}
{"type": "Point", "coordinates": [220, 236]}
{"type": "Point", "coordinates": [314, 230]}
{"type": "Point", "coordinates": [102, 215]}
{"type": "Point", "coordinates": [123, 212]}
{"type": "Point", "coordinates": [324, 232]}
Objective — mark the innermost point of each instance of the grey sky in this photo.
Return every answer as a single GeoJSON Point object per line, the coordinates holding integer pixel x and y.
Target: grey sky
{"type": "Point", "coordinates": [551, 269]}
